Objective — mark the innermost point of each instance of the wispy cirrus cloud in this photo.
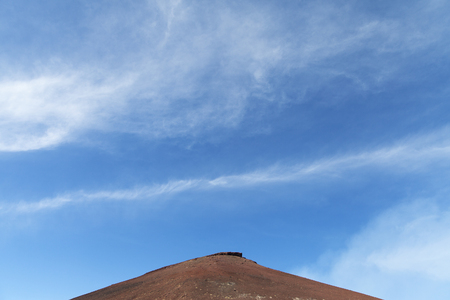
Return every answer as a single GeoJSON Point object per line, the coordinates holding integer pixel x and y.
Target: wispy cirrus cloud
{"type": "Point", "coordinates": [427, 154]}
{"type": "Point", "coordinates": [402, 254]}
{"type": "Point", "coordinates": [185, 68]}
{"type": "Point", "coordinates": [48, 110]}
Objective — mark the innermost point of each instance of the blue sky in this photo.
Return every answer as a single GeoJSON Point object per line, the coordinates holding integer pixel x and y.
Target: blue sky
{"type": "Point", "coordinates": [313, 136]}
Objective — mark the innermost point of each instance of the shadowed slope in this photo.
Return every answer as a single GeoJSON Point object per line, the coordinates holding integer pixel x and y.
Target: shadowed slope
{"type": "Point", "coordinates": [221, 276]}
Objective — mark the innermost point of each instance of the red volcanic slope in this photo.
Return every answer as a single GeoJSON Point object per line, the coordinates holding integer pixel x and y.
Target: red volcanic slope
{"type": "Point", "coordinates": [225, 275]}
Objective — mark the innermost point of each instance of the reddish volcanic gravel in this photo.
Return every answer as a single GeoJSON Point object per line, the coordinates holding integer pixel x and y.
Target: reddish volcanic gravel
{"type": "Point", "coordinates": [224, 275]}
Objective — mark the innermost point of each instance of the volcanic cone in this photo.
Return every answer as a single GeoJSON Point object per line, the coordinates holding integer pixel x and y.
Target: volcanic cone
{"type": "Point", "coordinates": [225, 275]}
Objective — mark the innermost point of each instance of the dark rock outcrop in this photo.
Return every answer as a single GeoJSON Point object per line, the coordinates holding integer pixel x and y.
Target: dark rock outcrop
{"type": "Point", "coordinates": [238, 254]}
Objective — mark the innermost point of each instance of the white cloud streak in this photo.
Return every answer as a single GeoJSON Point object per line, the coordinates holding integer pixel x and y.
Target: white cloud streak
{"type": "Point", "coordinates": [184, 68]}
{"type": "Point", "coordinates": [412, 156]}
{"type": "Point", "coordinates": [138, 193]}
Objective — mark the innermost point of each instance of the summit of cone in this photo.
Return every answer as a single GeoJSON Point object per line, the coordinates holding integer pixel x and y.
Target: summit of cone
{"type": "Point", "coordinates": [224, 275]}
